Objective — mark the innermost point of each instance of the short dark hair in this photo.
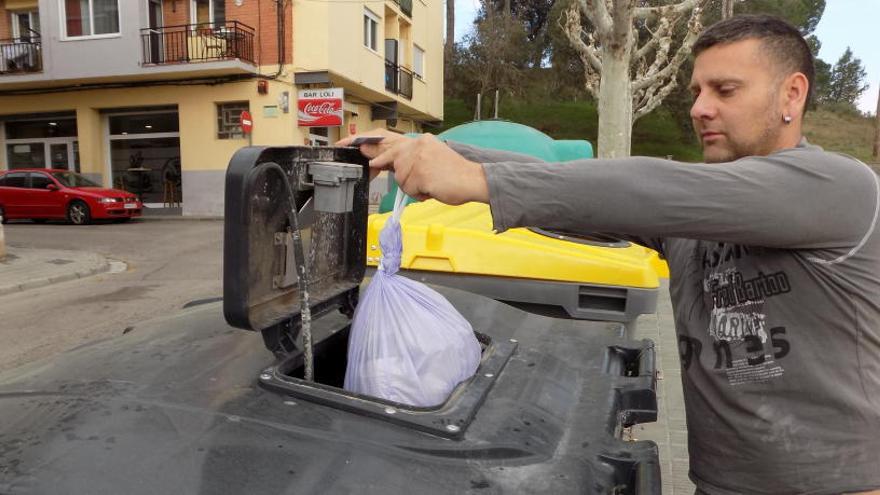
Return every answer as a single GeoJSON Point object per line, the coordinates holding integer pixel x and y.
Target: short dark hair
{"type": "Point", "coordinates": [782, 41]}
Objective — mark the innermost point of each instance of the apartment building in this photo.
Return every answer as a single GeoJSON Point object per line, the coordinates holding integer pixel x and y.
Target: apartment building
{"type": "Point", "coordinates": [147, 95]}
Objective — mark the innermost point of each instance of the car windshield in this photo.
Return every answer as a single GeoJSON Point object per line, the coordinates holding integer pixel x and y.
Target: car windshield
{"type": "Point", "coordinates": [72, 179]}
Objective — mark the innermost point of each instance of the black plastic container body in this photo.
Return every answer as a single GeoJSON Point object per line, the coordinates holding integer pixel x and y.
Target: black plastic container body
{"type": "Point", "coordinates": [177, 406]}
{"type": "Point", "coordinates": [188, 404]}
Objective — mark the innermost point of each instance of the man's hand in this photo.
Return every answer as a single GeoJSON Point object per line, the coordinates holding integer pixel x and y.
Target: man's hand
{"type": "Point", "coordinates": [424, 167]}
{"type": "Point", "coordinates": [373, 150]}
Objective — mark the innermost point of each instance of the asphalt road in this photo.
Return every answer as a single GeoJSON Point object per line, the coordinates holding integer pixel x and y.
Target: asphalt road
{"type": "Point", "coordinates": [169, 263]}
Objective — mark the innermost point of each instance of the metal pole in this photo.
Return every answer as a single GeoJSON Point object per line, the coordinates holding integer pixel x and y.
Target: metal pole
{"type": "Point", "coordinates": [877, 128]}
{"type": "Point", "coordinates": [479, 104]}
{"type": "Point", "coordinates": [496, 104]}
{"type": "Point", "coordinates": [2, 240]}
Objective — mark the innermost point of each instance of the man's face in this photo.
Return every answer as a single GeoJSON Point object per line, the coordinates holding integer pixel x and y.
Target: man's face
{"type": "Point", "coordinates": [737, 111]}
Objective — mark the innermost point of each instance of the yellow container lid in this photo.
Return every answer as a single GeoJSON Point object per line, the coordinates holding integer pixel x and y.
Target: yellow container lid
{"type": "Point", "coordinates": [460, 239]}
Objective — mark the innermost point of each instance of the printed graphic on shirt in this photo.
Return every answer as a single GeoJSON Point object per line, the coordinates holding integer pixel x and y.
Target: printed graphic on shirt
{"type": "Point", "coordinates": [745, 350]}
{"type": "Point", "coordinates": [738, 303]}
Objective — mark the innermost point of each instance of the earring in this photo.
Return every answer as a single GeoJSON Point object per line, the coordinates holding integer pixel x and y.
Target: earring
{"type": "Point", "coordinates": [786, 119]}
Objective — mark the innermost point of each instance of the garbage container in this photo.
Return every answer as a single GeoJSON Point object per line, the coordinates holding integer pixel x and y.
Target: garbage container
{"type": "Point", "coordinates": [189, 404]}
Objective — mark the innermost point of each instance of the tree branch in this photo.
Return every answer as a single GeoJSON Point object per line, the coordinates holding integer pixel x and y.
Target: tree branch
{"type": "Point", "coordinates": [575, 34]}
{"type": "Point", "coordinates": [653, 102]}
{"type": "Point", "coordinates": [680, 8]}
{"type": "Point", "coordinates": [681, 54]}
{"type": "Point", "coordinates": [597, 12]}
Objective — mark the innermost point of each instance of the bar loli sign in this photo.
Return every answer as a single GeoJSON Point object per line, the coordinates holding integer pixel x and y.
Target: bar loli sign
{"type": "Point", "coordinates": [320, 107]}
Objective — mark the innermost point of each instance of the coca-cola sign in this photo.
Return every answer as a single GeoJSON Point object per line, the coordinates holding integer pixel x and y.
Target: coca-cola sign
{"type": "Point", "coordinates": [320, 107]}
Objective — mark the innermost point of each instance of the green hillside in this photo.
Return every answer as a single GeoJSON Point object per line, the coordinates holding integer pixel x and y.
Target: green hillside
{"type": "Point", "coordinates": [657, 135]}
{"type": "Point", "coordinates": [844, 132]}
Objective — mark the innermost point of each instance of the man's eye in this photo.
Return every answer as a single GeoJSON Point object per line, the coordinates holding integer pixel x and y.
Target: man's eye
{"type": "Point", "coordinates": [726, 91]}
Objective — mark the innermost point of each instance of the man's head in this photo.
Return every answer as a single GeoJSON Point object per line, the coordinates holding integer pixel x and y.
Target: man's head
{"type": "Point", "coordinates": [752, 79]}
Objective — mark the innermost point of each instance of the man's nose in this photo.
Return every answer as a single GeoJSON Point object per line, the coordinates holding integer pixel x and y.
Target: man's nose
{"type": "Point", "coordinates": [703, 108]}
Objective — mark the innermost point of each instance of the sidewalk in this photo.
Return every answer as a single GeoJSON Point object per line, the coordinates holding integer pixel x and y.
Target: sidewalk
{"type": "Point", "coordinates": [670, 430]}
{"type": "Point", "coordinates": [29, 268]}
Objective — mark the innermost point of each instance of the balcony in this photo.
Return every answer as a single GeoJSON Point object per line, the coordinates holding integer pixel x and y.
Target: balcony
{"type": "Point", "coordinates": [406, 7]}
{"type": "Point", "coordinates": [398, 80]}
{"type": "Point", "coordinates": [204, 42]}
{"type": "Point", "coordinates": [20, 56]}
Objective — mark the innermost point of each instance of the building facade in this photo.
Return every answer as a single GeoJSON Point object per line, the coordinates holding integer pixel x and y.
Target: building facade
{"type": "Point", "coordinates": [147, 95]}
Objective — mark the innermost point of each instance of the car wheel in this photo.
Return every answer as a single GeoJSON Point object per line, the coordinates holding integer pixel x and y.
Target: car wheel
{"type": "Point", "coordinates": [3, 214]}
{"type": "Point", "coordinates": [78, 213]}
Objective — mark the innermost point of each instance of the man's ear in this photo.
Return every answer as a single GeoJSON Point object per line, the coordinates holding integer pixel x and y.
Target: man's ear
{"type": "Point", "coordinates": [794, 92]}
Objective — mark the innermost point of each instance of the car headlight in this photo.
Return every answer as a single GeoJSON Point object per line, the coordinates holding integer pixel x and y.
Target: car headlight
{"type": "Point", "coordinates": [107, 200]}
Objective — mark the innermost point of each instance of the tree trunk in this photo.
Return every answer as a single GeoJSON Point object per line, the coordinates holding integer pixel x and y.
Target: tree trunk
{"type": "Point", "coordinates": [726, 9]}
{"type": "Point", "coordinates": [450, 29]}
{"type": "Point", "coordinates": [877, 129]}
{"type": "Point", "coordinates": [615, 104]}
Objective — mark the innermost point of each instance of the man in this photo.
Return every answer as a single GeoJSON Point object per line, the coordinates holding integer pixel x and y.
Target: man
{"type": "Point", "coordinates": [773, 253]}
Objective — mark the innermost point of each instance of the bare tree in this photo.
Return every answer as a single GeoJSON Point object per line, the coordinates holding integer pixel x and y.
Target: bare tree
{"type": "Point", "coordinates": [629, 80]}
{"type": "Point", "coordinates": [494, 56]}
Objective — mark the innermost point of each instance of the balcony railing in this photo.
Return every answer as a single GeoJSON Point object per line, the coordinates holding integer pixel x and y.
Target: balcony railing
{"type": "Point", "coordinates": [197, 43]}
{"type": "Point", "coordinates": [19, 56]}
{"type": "Point", "coordinates": [398, 80]}
{"type": "Point", "coordinates": [405, 6]}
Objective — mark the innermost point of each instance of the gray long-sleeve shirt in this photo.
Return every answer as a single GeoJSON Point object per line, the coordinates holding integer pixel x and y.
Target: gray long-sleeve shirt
{"type": "Point", "coordinates": [775, 284]}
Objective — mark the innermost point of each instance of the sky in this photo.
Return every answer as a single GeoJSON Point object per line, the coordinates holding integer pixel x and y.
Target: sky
{"type": "Point", "coordinates": [852, 23]}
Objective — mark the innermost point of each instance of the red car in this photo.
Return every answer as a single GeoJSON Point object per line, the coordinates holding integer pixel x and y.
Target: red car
{"type": "Point", "coordinates": [43, 194]}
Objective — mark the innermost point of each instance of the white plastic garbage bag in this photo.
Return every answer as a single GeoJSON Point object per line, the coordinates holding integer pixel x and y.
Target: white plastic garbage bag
{"type": "Point", "coordinates": [408, 344]}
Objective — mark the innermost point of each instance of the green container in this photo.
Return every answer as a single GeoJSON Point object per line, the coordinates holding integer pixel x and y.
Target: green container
{"type": "Point", "coordinates": [507, 136]}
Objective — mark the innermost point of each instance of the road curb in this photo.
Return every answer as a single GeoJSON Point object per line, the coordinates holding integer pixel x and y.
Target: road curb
{"type": "Point", "coordinates": [176, 218]}
{"type": "Point", "coordinates": [44, 281]}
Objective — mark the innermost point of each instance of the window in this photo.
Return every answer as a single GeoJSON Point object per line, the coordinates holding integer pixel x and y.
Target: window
{"type": "Point", "coordinates": [229, 119]}
{"type": "Point", "coordinates": [26, 155]}
{"type": "Point", "coordinates": [39, 181]}
{"type": "Point", "coordinates": [44, 128]}
{"type": "Point", "coordinates": [16, 179]}
{"type": "Point", "coordinates": [207, 11]}
{"type": "Point", "coordinates": [371, 30]}
{"type": "Point", "coordinates": [323, 136]}
{"type": "Point", "coordinates": [25, 26]}
{"type": "Point", "coordinates": [90, 17]}
{"type": "Point", "coordinates": [201, 11]}
{"type": "Point", "coordinates": [418, 62]}
{"type": "Point", "coordinates": [71, 179]}
{"type": "Point", "coordinates": [145, 123]}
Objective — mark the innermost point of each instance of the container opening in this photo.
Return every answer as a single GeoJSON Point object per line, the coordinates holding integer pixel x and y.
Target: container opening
{"type": "Point", "coordinates": [449, 419]}
{"type": "Point", "coordinates": [590, 239]}
{"type": "Point", "coordinates": [330, 357]}
{"type": "Point", "coordinates": [330, 361]}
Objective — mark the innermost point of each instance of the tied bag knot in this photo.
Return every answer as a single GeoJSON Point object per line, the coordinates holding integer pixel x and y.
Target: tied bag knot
{"type": "Point", "coordinates": [391, 238]}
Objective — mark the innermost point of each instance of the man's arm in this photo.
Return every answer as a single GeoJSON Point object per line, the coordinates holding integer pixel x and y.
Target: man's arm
{"type": "Point", "coordinates": [797, 198]}
{"type": "Point", "coordinates": [486, 156]}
